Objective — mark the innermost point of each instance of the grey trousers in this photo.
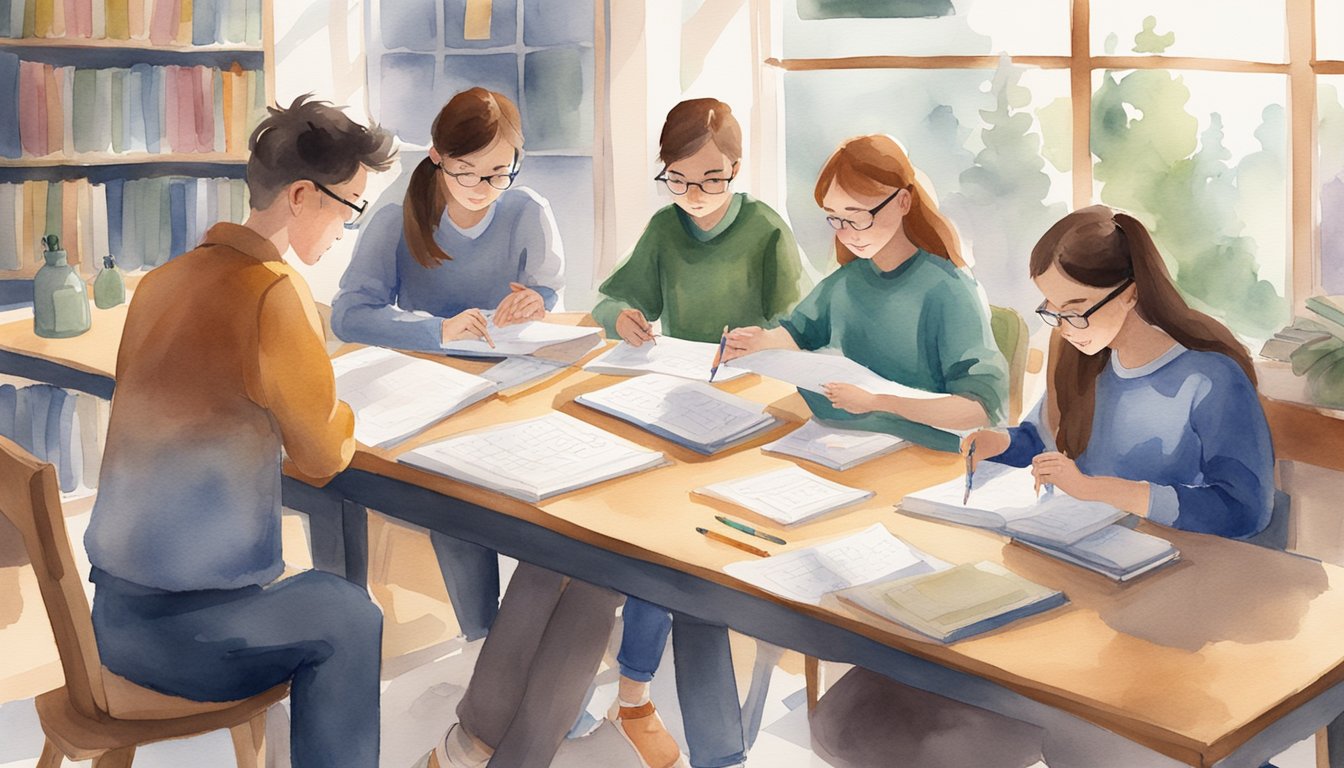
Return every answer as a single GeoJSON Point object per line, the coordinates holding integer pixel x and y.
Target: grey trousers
{"type": "Point", "coordinates": [536, 665]}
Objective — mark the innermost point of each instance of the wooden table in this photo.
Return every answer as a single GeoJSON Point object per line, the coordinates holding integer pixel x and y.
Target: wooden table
{"type": "Point", "coordinates": [1225, 658]}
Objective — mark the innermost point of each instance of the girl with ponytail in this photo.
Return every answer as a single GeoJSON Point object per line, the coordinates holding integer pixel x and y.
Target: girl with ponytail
{"type": "Point", "coordinates": [1151, 406]}
{"type": "Point", "coordinates": [902, 303]}
{"type": "Point", "coordinates": [463, 240]}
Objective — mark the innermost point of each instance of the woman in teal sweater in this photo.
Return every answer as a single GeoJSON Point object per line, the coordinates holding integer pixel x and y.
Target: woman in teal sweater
{"type": "Point", "coordinates": [902, 303]}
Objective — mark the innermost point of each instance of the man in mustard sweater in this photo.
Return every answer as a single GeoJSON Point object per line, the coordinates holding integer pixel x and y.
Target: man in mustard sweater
{"type": "Point", "coordinates": [222, 365]}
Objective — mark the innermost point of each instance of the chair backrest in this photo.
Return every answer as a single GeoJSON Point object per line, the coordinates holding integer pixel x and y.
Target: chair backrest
{"type": "Point", "coordinates": [1010, 334]}
{"type": "Point", "coordinates": [31, 501]}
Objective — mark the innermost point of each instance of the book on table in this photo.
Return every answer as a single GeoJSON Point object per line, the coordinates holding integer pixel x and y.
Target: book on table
{"type": "Point", "coordinates": [1004, 499]}
{"type": "Point", "coordinates": [839, 449]}
{"type": "Point", "coordinates": [527, 338]}
{"type": "Point", "coordinates": [690, 413]}
{"type": "Point", "coordinates": [534, 459]}
{"type": "Point", "coordinates": [787, 496]}
{"type": "Point", "coordinates": [395, 395]}
{"type": "Point", "coordinates": [675, 357]}
{"type": "Point", "coordinates": [1116, 552]}
{"type": "Point", "coordinates": [954, 603]}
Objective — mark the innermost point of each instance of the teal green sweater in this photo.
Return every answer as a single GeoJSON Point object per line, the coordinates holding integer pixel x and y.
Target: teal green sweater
{"type": "Point", "coordinates": [746, 273]}
{"type": "Point", "coordinates": [923, 324]}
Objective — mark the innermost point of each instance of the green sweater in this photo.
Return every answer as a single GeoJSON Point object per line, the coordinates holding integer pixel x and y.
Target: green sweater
{"type": "Point", "coordinates": [746, 274]}
{"type": "Point", "coordinates": [923, 324]}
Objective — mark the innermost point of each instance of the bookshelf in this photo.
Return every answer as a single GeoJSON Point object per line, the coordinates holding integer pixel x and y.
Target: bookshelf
{"type": "Point", "coordinates": [124, 125]}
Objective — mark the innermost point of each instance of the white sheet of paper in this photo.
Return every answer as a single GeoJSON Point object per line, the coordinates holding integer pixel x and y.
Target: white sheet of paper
{"type": "Point", "coordinates": [832, 446]}
{"type": "Point", "coordinates": [693, 410]}
{"type": "Point", "coordinates": [520, 338]}
{"type": "Point", "coordinates": [395, 395]}
{"type": "Point", "coordinates": [808, 573]}
{"type": "Point", "coordinates": [813, 370]}
{"type": "Point", "coordinates": [516, 371]}
{"type": "Point", "coordinates": [788, 495]}
{"type": "Point", "coordinates": [675, 357]}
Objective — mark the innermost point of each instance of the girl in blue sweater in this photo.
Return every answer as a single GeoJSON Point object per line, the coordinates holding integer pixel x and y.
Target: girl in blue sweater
{"type": "Point", "coordinates": [1151, 405]}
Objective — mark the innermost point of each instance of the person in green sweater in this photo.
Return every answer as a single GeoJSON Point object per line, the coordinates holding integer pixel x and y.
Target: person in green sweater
{"type": "Point", "coordinates": [902, 303]}
{"type": "Point", "coordinates": [711, 259]}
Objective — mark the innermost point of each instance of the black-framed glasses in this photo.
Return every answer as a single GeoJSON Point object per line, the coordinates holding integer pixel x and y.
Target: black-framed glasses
{"type": "Point", "coordinates": [862, 219]}
{"type": "Point", "coordinates": [497, 180]}
{"type": "Point", "coordinates": [1053, 319]}
{"type": "Point", "coordinates": [680, 187]}
{"type": "Point", "coordinates": [358, 209]}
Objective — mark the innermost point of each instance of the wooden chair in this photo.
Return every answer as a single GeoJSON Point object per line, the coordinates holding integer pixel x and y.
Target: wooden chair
{"type": "Point", "coordinates": [98, 715]}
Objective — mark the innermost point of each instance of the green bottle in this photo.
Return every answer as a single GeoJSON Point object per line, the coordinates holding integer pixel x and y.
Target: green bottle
{"type": "Point", "coordinates": [109, 289]}
{"type": "Point", "coordinates": [60, 299]}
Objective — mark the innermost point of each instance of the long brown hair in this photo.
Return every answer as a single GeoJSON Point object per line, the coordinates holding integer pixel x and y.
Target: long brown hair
{"type": "Point", "coordinates": [470, 121]}
{"type": "Point", "coordinates": [693, 123]}
{"type": "Point", "coordinates": [1102, 248]}
{"type": "Point", "coordinates": [875, 165]}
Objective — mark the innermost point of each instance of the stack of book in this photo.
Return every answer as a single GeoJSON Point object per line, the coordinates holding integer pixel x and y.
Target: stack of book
{"type": "Point", "coordinates": [690, 413]}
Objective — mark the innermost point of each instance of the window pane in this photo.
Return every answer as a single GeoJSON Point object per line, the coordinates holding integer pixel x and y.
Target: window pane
{"type": "Point", "coordinates": [1330, 140]}
{"type": "Point", "coordinates": [1330, 29]}
{"type": "Point", "coordinates": [503, 24]}
{"type": "Point", "coordinates": [976, 27]}
{"type": "Point", "coordinates": [558, 112]}
{"type": "Point", "coordinates": [404, 80]}
{"type": "Point", "coordinates": [494, 71]}
{"type": "Point", "coordinates": [987, 141]}
{"type": "Point", "coordinates": [1201, 159]}
{"type": "Point", "coordinates": [409, 24]}
{"type": "Point", "coordinates": [1205, 28]}
{"type": "Point", "coordinates": [547, 22]}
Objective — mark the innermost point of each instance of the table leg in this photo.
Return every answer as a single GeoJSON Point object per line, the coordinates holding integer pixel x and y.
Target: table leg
{"type": "Point", "coordinates": [338, 529]}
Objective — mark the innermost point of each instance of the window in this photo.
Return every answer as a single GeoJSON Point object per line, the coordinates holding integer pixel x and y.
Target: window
{"type": "Point", "coordinates": [1187, 126]}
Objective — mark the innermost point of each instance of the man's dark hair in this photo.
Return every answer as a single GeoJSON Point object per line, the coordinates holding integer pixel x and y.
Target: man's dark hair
{"type": "Point", "coordinates": [311, 140]}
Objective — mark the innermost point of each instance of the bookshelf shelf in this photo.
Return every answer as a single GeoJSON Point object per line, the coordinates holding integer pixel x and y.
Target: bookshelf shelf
{"type": "Point", "coordinates": [110, 158]}
{"type": "Point", "coordinates": [103, 44]}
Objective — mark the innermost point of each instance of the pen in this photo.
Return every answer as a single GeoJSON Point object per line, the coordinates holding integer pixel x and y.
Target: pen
{"type": "Point", "coordinates": [718, 356]}
{"type": "Point", "coordinates": [970, 473]}
{"type": "Point", "coordinates": [733, 542]}
{"type": "Point", "coordinates": [749, 530]}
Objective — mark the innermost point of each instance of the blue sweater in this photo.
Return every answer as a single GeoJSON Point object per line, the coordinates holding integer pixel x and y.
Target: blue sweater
{"type": "Point", "coordinates": [387, 299]}
{"type": "Point", "coordinates": [1190, 424]}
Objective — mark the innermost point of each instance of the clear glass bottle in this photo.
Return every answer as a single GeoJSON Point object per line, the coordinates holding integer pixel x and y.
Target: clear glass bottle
{"type": "Point", "coordinates": [60, 298]}
{"type": "Point", "coordinates": [109, 289]}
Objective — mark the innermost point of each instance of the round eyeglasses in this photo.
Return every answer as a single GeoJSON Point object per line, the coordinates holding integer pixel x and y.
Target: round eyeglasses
{"type": "Point", "coordinates": [708, 186]}
{"type": "Point", "coordinates": [1053, 319]}
{"type": "Point", "coordinates": [496, 180]}
{"type": "Point", "coordinates": [862, 219]}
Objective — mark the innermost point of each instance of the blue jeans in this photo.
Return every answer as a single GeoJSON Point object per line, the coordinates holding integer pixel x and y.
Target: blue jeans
{"type": "Point", "coordinates": [707, 688]}
{"type": "Point", "coordinates": [471, 574]}
{"type": "Point", "coordinates": [316, 630]}
{"type": "Point", "coordinates": [645, 627]}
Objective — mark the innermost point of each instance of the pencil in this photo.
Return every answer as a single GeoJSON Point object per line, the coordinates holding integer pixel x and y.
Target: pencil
{"type": "Point", "coordinates": [732, 542]}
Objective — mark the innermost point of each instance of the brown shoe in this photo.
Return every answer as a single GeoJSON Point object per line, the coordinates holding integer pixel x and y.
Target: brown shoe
{"type": "Point", "coordinates": [644, 729]}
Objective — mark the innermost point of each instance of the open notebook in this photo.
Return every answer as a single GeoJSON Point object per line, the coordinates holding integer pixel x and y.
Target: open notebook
{"type": "Point", "coordinates": [813, 370]}
{"type": "Point", "coordinates": [690, 413]}
{"type": "Point", "coordinates": [1004, 499]}
{"type": "Point", "coordinates": [523, 339]}
{"type": "Point", "coordinates": [675, 357]}
{"type": "Point", "coordinates": [839, 449]}
{"type": "Point", "coordinates": [395, 395]}
{"type": "Point", "coordinates": [534, 459]}
{"type": "Point", "coordinates": [787, 496]}
{"type": "Point", "coordinates": [955, 603]}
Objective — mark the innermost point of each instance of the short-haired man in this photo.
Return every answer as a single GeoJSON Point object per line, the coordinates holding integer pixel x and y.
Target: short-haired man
{"type": "Point", "coordinates": [222, 364]}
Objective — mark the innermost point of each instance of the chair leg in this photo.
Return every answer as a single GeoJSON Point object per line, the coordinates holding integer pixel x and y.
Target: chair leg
{"type": "Point", "coordinates": [249, 742]}
{"type": "Point", "coordinates": [812, 673]}
{"type": "Point", "coordinates": [117, 758]}
{"type": "Point", "coordinates": [51, 756]}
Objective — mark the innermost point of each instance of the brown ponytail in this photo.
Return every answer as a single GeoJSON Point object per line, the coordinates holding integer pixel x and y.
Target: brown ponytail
{"type": "Point", "coordinates": [1101, 248]}
{"type": "Point", "coordinates": [470, 121]}
{"type": "Point", "coordinates": [875, 165]}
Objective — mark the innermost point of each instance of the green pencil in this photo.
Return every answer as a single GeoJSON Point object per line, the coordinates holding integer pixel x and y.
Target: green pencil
{"type": "Point", "coordinates": [748, 529]}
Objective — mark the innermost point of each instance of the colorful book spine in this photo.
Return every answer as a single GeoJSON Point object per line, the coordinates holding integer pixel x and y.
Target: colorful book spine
{"type": "Point", "coordinates": [11, 144]}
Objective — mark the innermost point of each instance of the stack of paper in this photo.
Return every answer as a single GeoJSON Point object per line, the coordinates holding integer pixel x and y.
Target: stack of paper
{"type": "Point", "coordinates": [395, 395]}
{"type": "Point", "coordinates": [833, 447]}
{"type": "Point", "coordinates": [522, 339]}
{"type": "Point", "coordinates": [955, 603]}
{"type": "Point", "coordinates": [534, 459]}
{"type": "Point", "coordinates": [813, 370]}
{"type": "Point", "coordinates": [675, 357]}
{"type": "Point", "coordinates": [806, 574]}
{"type": "Point", "coordinates": [1004, 499]}
{"type": "Point", "coordinates": [1115, 552]}
{"type": "Point", "coordinates": [689, 413]}
{"type": "Point", "coordinates": [787, 496]}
